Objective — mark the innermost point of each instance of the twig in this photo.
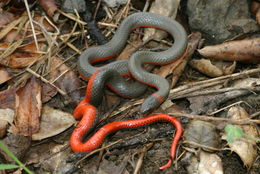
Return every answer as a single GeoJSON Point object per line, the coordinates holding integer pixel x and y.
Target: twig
{"type": "Point", "coordinates": [31, 22]}
{"type": "Point", "coordinates": [217, 91]}
{"type": "Point", "coordinates": [97, 150]}
{"type": "Point", "coordinates": [186, 89]}
{"type": "Point", "coordinates": [226, 107]}
{"type": "Point", "coordinates": [46, 81]}
{"type": "Point", "coordinates": [71, 17]}
{"type": "Point", "coordinates": [209, 118]}
{"type": "Point", "coordinates": [96, 10]}
{"type": "Point", "coordinates": [141, 158]}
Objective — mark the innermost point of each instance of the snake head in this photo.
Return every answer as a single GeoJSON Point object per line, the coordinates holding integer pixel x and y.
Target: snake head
{"type": "Point", "coordinates": [151, 103]}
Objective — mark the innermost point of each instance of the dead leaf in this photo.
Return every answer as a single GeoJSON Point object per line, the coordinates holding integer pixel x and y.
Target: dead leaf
{"type": "Point", "coordinates": [10, 26]}
{"type": "Point", "coordinates": [7, 99]}
{"type": "Point", "coordinates": [40, 24]}
{"type": "Point", "coordinates": [129, 49]}
{"type": "Point", "coordinates": [202, 132]}
{"type": "Point", "coordinates": [255, 9]}
{"type": "Point", "coordinates": [18, 144]}
{"type": "Point", "coordinates": [4, 75]}
{"type": "Point", "coordinates": [6, 18]}
{"type": "Point", "coordinates": [213, 68]}
{"type": "Point", "coordinates": [66, 80]}
{"type": "Point", "coordinates": [4, 2]}
{"type": "Point", "coordinates": [6, 117]}
{"type": "Point", "coordinates": [245, 148]}
{"type": "Point", "coordinates": [246, 83]}
{"type": "Point", "coordinates": [49, 6]}
{"type": "Point", "coordinates": [28, 108]}
{"type": "Point", "coordinates": [177, 67]}
{"type": "Point", "coordinates": [210, 163]}
{"type": "Point", "coordinates": [247, 50]}
{"type": "Point", "coordinates": [22, 56]}
{"type": "Point", "coordinates": [53, 122]}
{"type": "Point", "coordinates": [168, 8]}
{"type": "Point", "coordinates": [43, 22]}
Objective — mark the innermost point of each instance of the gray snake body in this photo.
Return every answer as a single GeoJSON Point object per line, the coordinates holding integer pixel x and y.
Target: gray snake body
{"type": "Point", "coordinates": [113, 72]}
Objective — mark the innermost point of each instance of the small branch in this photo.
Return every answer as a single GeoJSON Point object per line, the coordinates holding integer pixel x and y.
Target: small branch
{"type": "Point", "coordinates": [46, 81]}
{"type": "Point", "coordinates": [209, 118]}
{"type": "Point", "coordinates": [31, 22]}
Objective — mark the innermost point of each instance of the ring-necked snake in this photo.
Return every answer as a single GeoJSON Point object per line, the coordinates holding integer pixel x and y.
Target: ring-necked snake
{"type": "Point", "coordinates": [116, 82]}
{"type": "Point", "coordinates": [111, 75]}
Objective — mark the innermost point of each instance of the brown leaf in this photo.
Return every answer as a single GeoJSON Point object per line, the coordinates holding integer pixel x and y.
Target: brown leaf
{"type": "Point", "coordinates": [7, 99]}
{"type": "Point", "coordinates": [247, 50]}
{"type": "Point", "coordinates": [28, 107]}
{"type": "Point", "coordinates": [18, 144]}
{"type": "Point", "coordinates": [4, 75]}
{"type": "Point", "coordinates": [177, 67]}
{"type": "Point", "coordinates": [129, 49]}
{"type": "Point", "coordinates": [49, 6]}
{"type": "Point", "coordinates": [4, 2]}
{"type": "Point", "coordinates": [6, 117]}
{"type": "Point", "coordinates": [21, 57]}
{"type": "Point", "coordinates": [255, 8]}
{"type": "Point", "coordinates": [213, 68]}
{"type": "Point", "coordinates": [10, 26]}
{"type": "Point", "coordinates": [168, 8]}
{"type": "Point", "coordinates": [44, 23]}
{"type": "Point", "coordinates": [68, 81]}
{"type": "Point", "coordinates": [245, 148]}
{"type": "Point", "coordinates": [6, 18]}
{"type": "Point", "coordinates": [258, 16]}
{"type": "Point", "coordinates": [53, 122]}
{"type": "Point", "coordinates": [203, 133]}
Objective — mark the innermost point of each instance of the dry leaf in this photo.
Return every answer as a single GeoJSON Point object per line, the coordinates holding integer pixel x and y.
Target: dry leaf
{"type": "Point", "coordinates": [40, 25]}
{"type": "Point", "coordinates": [213, 68]}
{"type": "Point", "coordinates": [68, 81]}
{"type": "Point", "coordinates": [6, 18]}
{"type": "Point", "coordinates": [4, 75]}
{"type": "Point", "coordinates": [247, 50]}
{"type": "Point", "coordinates": [28, 107]}
{"type": "Point", "coordinates": [202, 132]}
{"type": "Point", "coordinates": [21, 57]}
{"type": "Point", "coordinates": [43, 22]}
{"type": "Point", "coordinates": [245, 148]}
{"type": "Point", "coordinates": [18, 144]}
{"type": "Point", "coordinates": [177, 67]}
{"type": "Point", "coordinates": [53, 122]}
{"type": "Point", "coordinates": [168, 8]}
{"type": "Point", "coordinates": [6, 117]}
{"type": "Point", "coordinates": [7, 99]}
{"type": "Point", "coordinates": [246, 83]}
{"type": "Point", "coordinates": [129, 49]}
{"type": "Point", "coordinates": [10, 26]}
{"type": "Point", "coordinates": [210, 163]}
{"type": "Point", "coordinates": [49, 6]}
{"type": "Point", "coordinates": [255, 8]}
{"type": "Point", "coordinates": [4, 2]}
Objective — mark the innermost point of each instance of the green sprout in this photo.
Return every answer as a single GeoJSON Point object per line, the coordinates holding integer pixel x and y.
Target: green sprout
{"type": "Point", "coordinates": [11, 155]}
{"type": "Point", "coordinates": [235, 132]}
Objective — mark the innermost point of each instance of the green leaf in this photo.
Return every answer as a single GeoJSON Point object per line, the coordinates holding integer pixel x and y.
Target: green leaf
{"type": "Point", "coordinates": [8, 166]}
{"type": "Point", "coordinates": [233, 133]}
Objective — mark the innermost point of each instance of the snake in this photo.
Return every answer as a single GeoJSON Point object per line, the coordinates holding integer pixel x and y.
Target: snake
{"type": "Point", "coordinates": [88, 114]}
{"type": "Point", "coordinates": [133, 67]}
{"type": "Point", "coordinates": [112, 75]}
